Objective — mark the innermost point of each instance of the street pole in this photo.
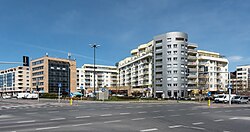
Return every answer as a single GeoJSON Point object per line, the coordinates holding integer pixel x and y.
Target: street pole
{"type": "Point", "coordinates": [94, 46]}
{"type": "Point", "coordinates": [229, 88]}
{"type": "Point", "coordinates": [59, 88]}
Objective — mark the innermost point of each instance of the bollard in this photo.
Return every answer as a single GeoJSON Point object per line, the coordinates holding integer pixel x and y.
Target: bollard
{"type": "Point", "coordinates": [208, 102]}
{"type": "Point", "coordinates": [71, 101]}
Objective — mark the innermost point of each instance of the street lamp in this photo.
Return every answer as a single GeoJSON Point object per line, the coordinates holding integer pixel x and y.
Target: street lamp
{"type": "Point", "coordinates": [94, 46]}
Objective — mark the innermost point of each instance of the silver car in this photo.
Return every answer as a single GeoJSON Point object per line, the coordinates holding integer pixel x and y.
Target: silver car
{"type": "Point", "coordinates": [243, 99]}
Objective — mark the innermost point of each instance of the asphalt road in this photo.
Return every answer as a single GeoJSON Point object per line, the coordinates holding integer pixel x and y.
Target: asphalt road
{"type": "Point", "coordinates": [25, 116]}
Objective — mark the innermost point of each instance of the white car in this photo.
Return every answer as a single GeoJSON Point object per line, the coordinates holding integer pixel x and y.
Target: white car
{"type": "Point", "coordinates": [6, 97]}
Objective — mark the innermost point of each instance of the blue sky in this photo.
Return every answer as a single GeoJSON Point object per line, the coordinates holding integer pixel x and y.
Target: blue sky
{"type": "Point", "coordinates": [34, 27]}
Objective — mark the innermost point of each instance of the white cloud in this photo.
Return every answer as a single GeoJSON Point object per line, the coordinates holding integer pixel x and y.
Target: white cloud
{"type": "Point", "coordinates": [235, 58]}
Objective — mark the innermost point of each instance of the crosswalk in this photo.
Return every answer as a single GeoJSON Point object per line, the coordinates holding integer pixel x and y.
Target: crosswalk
{"type": "Point", "coordinates": [7, 107]}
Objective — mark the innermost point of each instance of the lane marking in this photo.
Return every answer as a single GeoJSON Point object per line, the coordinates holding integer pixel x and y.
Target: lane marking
{"type": "Point", "coordinates": [158, 117]}
{"type": "Point", "coordinates": [174, 115]}
{"type": "Point", "coordinates": [79, 117]}
{"type": "Point", "coordinates": [190, 114]}
{"type": "Point", "coordinates": [219, 120]}
{"type": "Point", "coordinates": [85, 124]}
{"type": "Point", "coordinates": [149, 130]}
{"type": "Point", "coordinates": [198, 128]}
{"type": "Point", "coordinates": [56, 119]}
{"type": "Point", "coordinates": [106, 115]}
{"type": "Point", "coordinates": [46, 128]}
{"type": "Point", "coordinates": [136, 119]}
{"type": "Point", "coordinates": [182, 109]}
{"type": "Point", "coordinates": [141, 112]}
{"type": "Point", "coordinates": [205, 112]}
{"type": "Point", "coordinates": [31, 113]}
{"type": "Point", "coordinates": [112, 121]}
{"type": "Point", "coordinates": [156, 111]}
{"type": "Point", "coordinates": [124, 113]}
{"type": "Point", "coordinates": [26, 121]}
{"type": "Point", "coordinates": [129, 107]}
{"type": "Point", "coordinates": [53, 111]}
{"type": "Point", "coordinates": [175, 126]}
{"type": "Point", "coordinates": [233, 118]}
{"type": "Point", "coordinates": [198, 123]}
{"type": "Point", "coordinates": [170, 110]}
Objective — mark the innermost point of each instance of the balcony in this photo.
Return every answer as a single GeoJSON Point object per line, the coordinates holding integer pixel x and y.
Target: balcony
{"type": "Point", "coordinates": [192, 58]}
{"type": "Point", "coordinates": [192, 70]}
{"type": "Point", "coordinates": [192, 63]}
{"type": "Point", "coordinates": [192, 51]}
{"type": "Point", "coordinates": [203, 63]}
{"type": "Point", "coordinates": [192, 76]}
{"type": "Point", "coordinates": [203, 76]}
{"type": "Point", "coordinates": [191, 82]}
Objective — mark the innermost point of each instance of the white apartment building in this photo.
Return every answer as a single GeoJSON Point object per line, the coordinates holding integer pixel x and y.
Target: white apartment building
{"type": "Point", "coordinates": [242, 80]}
{"type": "Point", "coordinates": [105, 76]}
{"type": "Point", "coordinates": [15, 80]}
{"type": "Point", "coordinates": [212, 71]}
{"type": "Point", "coordinates": [136, 71]}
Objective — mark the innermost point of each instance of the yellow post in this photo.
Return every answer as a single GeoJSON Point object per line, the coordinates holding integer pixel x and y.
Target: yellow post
{"type": "Point", "coordinates": [208, 103]}
{"type": "Point", "coordinates": [71, 101]}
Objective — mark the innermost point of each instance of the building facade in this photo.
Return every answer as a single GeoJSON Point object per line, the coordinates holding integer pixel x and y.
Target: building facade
{"type": "Point", "coordinates": [135, 72]}
{"type": "Point", "coordinates": [105, 76]}
{"type": "Point", "coordinates": [15, 80]}
{"type": "Point", "coordinates": [212, 72]}
{"type": "Point", "coordinates": [48, 72]}
{"type": "Point", "coordinates": [170, 64]}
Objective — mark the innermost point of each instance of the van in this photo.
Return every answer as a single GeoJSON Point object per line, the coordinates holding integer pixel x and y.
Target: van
{"type": "Point", "coordinates": [22, 95]}
{"type": "Point", "coordinates": [223, 98]}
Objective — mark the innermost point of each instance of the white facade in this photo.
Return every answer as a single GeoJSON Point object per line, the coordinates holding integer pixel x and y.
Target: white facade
{"type": "Point", "coordinates": [15, 80]}
{"type": "Point", "coordinates": [105, 76]}
{"type": "Point", "coordinates": [136, 71]}
{"type": "Point", "coordinates": [212, 71]}
{"type": "Point", "coordinates": [243, 77]}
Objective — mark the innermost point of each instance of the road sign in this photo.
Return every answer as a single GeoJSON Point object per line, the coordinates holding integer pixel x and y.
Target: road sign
{"type": "Point", "coordinates": [81, 87]}
{"type": "Point", "coordinates": [59, 85]}
{"type": "Point", "coordinates": [71, 94]}
{"type": "Point", "coordinates": [209, 94]}
{"type": "Point", "coordinates": [103, 89]}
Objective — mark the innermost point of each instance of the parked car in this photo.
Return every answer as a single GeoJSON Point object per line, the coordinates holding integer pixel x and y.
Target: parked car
{"type": "Point", "coordinates": [236, 99]}
{"type": "Point", "coordinates": [223, 98]}
{"type": "Point", "coordinates": [243, 99]}
{"type": "Point", "coordinates": [6, 97]}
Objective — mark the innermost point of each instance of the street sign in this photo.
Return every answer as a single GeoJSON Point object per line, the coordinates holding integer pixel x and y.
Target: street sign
{"type": "Point", "coordinates": [209, 94]}
{"type": "Point", "coordinates": [103, 89]}
{"type": "Point", "coordinates": [229, 86]}
{"type": "Point", "coordinates": [59, 85]}
{"type": "Point", "coordinates": [81, 87]}
{"type": "Point", "coordinates": [71, 94]}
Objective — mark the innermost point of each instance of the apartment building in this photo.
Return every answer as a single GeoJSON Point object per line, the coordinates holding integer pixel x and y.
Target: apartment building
{"type": "Point", "coordinates": [241, 80]}
{"type": "Point", "coordinates": [135, 72]}
{"type": "Point", "coordinates": [48, 72]}
{"type": "Point", "coordinates": [105, 76]}
{"type": "Point", "coordinates": [212, 71]}
{"type": "Point", "coordinates": [170, 64]}
{"type": "Point", "coordinates": [15, 80]}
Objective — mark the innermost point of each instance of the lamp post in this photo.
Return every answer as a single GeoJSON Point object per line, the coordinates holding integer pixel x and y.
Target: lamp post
{"type": "Point", "coordinates": [94, 46]}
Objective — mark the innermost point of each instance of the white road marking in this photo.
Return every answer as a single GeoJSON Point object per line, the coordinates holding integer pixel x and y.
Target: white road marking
{"type": "Point", "coordinates": [141, 112]}
{"type": "Point", "coordinates": [174, 115]}
{"type": "Point", "coordinates": [31, 113]}
{"type": "Point", "coordinates": [175, 126]}
{"type": "Point", "coordinates": [233, 118]}
{"type": "Point", "coordinates": [106, 115]}
{"type": "Point", "coordinates": [53, 111]}
{"type": "Point", "coordinates": [136, 119]}
{"type": "Point", "coordinates": [198, 123]}
{"type": "Point", "coordinates": [124, 113]}
{"type": "Point", "coordinates": [198, 128]}
{"type": "Point", "coordinates": [205, 112]}
{"type": "Point", "coordinates": [129, 107]}
{"type": "Point", "coordinates": [190, 113]}
{"type": "Point", "coordinates": [219, 120]}
{"type": "Point", "coordinates": [182, 109]}
{"type": "Point", "coordinates": [78, 117]}
{"type": "Point", "coordinates": [170, 110]}
{"type": "Point", "coordinates": [56, 119]}
{"type": "Point", "coordinates": [26, 121]}
{"type": "Point", "coordinates": [139, 107]}
{"type": "Point", "coordinates": [149, 130]}
{"type": "Point", "coordinates": [246, 109]}
{"type": "Point", "coordinates": [156, 111]}
{"type": "Point", "coordinates": [112, 121]}
{"type": "Point", "coordinates": [85, 124]}
{"type": "Point", "coordinates": [46, 128]}
{"type": "Point", "coordinates": [158, 117]}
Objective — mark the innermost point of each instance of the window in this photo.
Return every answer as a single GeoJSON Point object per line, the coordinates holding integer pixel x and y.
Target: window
{"type": "Point", "coordinates": [168, 39]}
{"type": "Point", "coordinates": [168, 59]}
{"type": "Point", "coordinates": [169, 46]}
{"type": "Point", "coordinates": [175, 78]}
{"type": "Point", "coordinates": [182, 72]}
{"type": "Point", "coordinates": [168, 72]}
{"type": "Point", "coordinates": [169, 78]}
{"type": "Point", "coordinates": [175, 52]}
{"type": "Point", "coordinates": [175, 85]}
{"type": "Point", "coordinates": [169, 85]}
{"type": "Point", "coordinates": [182, 65]}
{"type": "Point", "coordinates": [175, 72]}
{"type": "Point", "coordinates": [175, 65]}
{"type": "Point", "coordinates": [175, 45]}
{"type": "Point", "coordinates": [168, 52]}
{"type": "Point", "coordinates": [183, 46]}
{"type": "Point", "coordinates": [179, 39]}
{"type": "Point", "coordinates": [182, 52]}
{"type": "Point", "coordinates": [182, 58]}
{"type": "Point", "coordinates": [175, 58]}
{"type": "Point", "coordinates": [168, 65]}
{"type": "Point", "coordinates": [158, 41]}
